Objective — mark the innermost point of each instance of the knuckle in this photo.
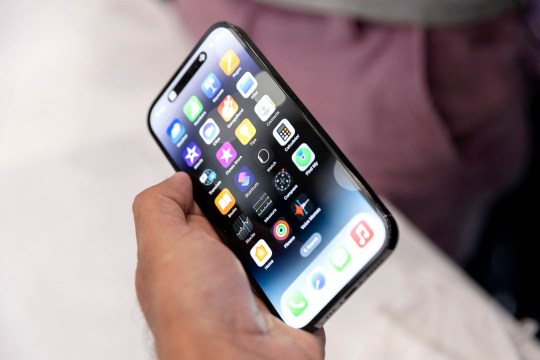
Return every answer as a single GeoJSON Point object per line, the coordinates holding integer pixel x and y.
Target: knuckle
{"type": "Point", "coordinates": [140, 201]}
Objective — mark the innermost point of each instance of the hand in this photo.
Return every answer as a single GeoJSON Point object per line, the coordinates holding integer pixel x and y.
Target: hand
{"type": "Point", "coordinates": [193, 291]}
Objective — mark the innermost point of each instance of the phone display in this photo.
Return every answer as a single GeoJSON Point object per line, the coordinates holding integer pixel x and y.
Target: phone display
{"type": "Point", "coordinates": [304, 224]}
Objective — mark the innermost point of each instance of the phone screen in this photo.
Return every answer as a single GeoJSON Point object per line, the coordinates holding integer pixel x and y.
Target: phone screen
{"type": "Point", "coordinates": [281, 197]}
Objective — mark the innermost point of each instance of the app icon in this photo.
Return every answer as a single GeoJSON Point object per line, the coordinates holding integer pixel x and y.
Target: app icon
{"type": "Point", "coordinates": [263, 204]}
{"type": "Point", "coordinates": [193, 108]}
{"type": "Point", "coordinates": [227, 108]}
{"type": "Point", "coordinates": [261, 252]}
{"type": "Point", "coordinates": [317, 279]}
{"type": "Point", "coordinates": [362, 233]}
{"type": "Point", "coordinates": [245, 131]}
{"type": "Point", "coordinates": [191, 154]}
{"type": "Point", "coordinates": [229, 62]}
{"type": "Point", "coordinates": [265, 108]}
{"type": "Point", "coordinates": [281, 230]}
{"type": "Point", "coordinates": [303, 157]}
{"type": "Point", "coordinates": [244, 179]}
{"type": "Point", "coordinates": [242, 227]}
{"type": "Point", "coordinates": [225, 201]}
{"type": "Point", "coordinates": [340, 258]}
{"type": "Point", "coordinates": [175, 131]}
{"type": "Point", "coordinates": [208, 177]}
{"type": "Point", "coordinates": [297, 303]}
{"type": "Point", "coordinates": [211, 85]}
{"type": "Point", "coordinates": [283, 132]}
{"type": "Point", "coordinates": [264, 156]}
{"type": "Point", "coordinates": [302, 207]}
{"type": "Point", "coordinates": [209, 131]}
{"type": "Point", "coordinates": [226, 154]}
{"type": "Point", "coordinates": [246, 85]}
{"type": "Point", "coordinates": [282, 181]}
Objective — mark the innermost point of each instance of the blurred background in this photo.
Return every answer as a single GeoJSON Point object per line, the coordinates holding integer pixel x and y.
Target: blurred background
{"type": "Point", "coordinates": [76, 82]}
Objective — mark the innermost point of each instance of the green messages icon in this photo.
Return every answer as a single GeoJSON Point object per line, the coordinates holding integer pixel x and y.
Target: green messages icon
{"type": "Point", "coordinates": [297, 303]}
{"type": "Point", "coordinates": [193, 108]}
{"type": "Point", "coordinates": [340, 258]}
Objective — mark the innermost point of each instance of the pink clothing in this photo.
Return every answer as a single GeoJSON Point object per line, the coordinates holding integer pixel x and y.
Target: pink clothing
{"type": "Point", "coordinates": [432, 118]}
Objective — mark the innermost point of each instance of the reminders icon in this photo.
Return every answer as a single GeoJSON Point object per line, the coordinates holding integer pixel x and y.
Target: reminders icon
{"type": "Point", "coordinates": [246, 85]}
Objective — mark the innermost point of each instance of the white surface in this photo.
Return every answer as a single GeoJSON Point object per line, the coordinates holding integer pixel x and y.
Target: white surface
{"type": "Point", "coordinates": [76, 80]}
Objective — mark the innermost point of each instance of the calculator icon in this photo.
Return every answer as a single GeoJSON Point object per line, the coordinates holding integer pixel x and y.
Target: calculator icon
{"type": "Point", "coordinates": [283, 132]}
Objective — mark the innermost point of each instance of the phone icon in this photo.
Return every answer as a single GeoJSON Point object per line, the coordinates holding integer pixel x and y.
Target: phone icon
{"type": "Point", "coordinates": [303, 157]}
{"type": "Point", "coordinates": [175, 131]}
{"type": "Point", "coordinates": [193, 108]}
{"type": "Point", "coordinates": [362, 233]}
{"type": "Point", "coordinates": [297, 303]}
{"type": "Point", "coordinates": [245, 131]}
{"type": "Point", "coordinates": [283, 132]}
{"type": "Point", "coordinates": [209, 131]}
{"type": "Point", "coordinates": [227, 108]}
{"type": "Point", "coordinates": [246, 85]}
{"type": "Point", "coordinates": [225, 201]}
{"type": "Point", "coordinates": [211, 85]}
{"type": "Point", "coordinates": [261, 253]}
{"type": "Point", "coordinates": [265, 108]}
{"type": "Point", "coordinates": [229, 62]}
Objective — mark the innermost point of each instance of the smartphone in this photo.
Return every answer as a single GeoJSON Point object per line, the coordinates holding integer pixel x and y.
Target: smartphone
{"type": "Point", "coordinates": [305, 225]}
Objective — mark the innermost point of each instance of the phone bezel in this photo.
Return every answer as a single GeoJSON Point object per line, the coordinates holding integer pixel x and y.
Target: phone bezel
{"type": "Point", "coordinates": [390, 223]}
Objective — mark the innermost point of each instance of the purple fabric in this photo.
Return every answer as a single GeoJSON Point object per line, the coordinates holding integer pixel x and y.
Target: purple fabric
{"type": "Point", "coordinates": [533, 22]}
{"type": "Point", "coordinates": [433, 119]}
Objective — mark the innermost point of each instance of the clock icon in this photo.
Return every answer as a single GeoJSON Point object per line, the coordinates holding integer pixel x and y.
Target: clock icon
{"type": "Point", "coordinates": [282, 181]}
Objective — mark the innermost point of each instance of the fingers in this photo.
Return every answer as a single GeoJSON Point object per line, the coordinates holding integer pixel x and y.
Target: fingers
{"type": "Point", "coordinates": [272, 324]}
{"type": "Point", "coordinates": [161, 211]}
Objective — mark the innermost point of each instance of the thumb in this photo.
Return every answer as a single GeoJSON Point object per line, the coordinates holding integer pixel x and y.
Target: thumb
{"type": "Point", "coordinates": [160, 214]}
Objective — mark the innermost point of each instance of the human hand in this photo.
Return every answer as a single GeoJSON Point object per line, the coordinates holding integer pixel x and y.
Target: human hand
{"type": "Point", "coordinates": [194, 292]}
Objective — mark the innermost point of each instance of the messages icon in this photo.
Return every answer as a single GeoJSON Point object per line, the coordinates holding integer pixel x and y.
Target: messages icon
{"type": "Point", "coordinates": [340, 258]}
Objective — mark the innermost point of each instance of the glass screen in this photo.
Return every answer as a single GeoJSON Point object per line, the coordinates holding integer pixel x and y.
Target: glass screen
{"type": "Point", "coordinates": [296, 218]}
